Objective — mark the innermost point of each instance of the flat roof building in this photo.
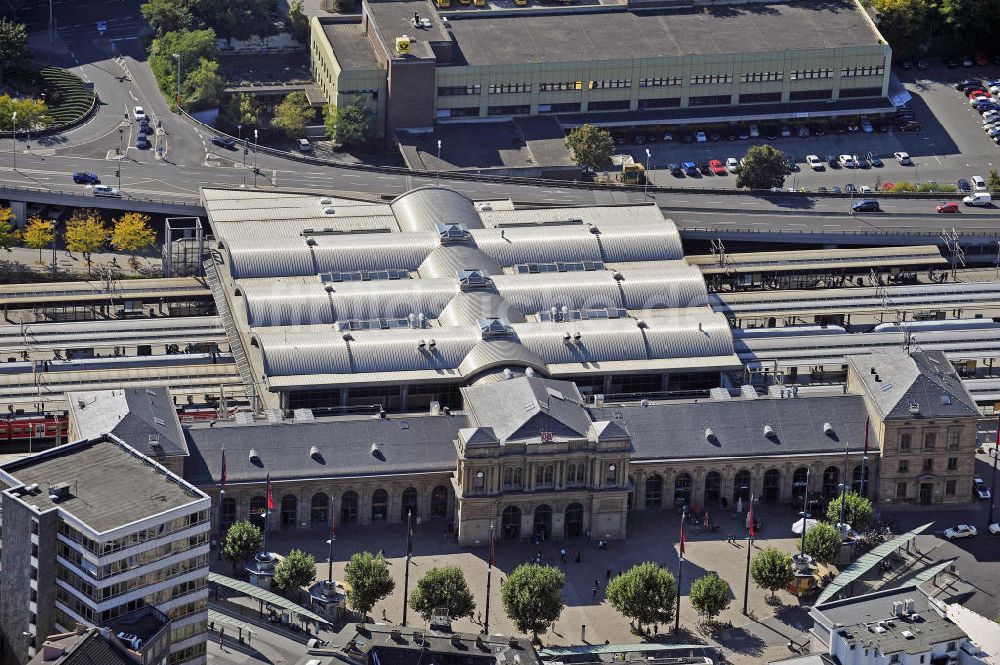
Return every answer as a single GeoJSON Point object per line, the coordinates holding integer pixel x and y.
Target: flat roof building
{"type": "Point", "coordinates": [103, 531]}
{"type": "Point", "coordinates": [612, 66]}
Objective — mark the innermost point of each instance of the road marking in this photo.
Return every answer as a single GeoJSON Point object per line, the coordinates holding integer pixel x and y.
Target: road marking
{"type": "Point", "coordinates": [134, 98]}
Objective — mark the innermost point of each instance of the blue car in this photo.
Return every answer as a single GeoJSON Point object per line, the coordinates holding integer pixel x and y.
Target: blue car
{"type": "Point", "coordinates": [691, 169]}
{"type": "Point", "coordinates": [964, 186]}
{"type": "Point", "coordinates": [86, 178]}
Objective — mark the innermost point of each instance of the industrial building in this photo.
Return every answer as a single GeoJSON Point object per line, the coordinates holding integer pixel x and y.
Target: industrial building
{"type": "Point", "coordinates": [613, 65]}
{"type": "Point", "coordinates": [94, 552]}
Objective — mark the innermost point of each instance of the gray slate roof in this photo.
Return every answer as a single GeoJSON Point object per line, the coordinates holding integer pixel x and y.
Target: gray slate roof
{"type": "Point", "coordinates": [677, 430]}
{"type": "Point", "coordinates": [137, 416]}
{"type": "Point", "coordinates": [524, 407]}
{"type": "Point", "coordinates": [90, 648]}
{"type": "Point", "coordinates": [925, 380]}
{"type": "Point", "coordinates": [425, 444]}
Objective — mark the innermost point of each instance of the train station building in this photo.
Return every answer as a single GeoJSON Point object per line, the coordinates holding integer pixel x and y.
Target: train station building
{"type": "Point", "coordinates": [613, 65]}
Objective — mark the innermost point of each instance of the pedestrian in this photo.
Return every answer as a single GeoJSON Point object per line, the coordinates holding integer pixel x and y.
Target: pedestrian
{"type": "Point", "coordinates": [588, 530]}
{"type": "Point", "coordinates": [607, 574]}
{"type": "Point", "coordinates": [222, 633]}
{"type": "Point", "coordinates": [383, 614]}
{"type": "Point", "coordinates": [562, 554]}
{"type": "Point", "coordinates": [595, 589]}
{"type": "Point", "coordinates": [479, 618]}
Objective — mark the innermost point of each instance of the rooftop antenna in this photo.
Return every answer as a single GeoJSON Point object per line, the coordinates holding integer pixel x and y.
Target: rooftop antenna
{"type": "Point", "coordinates": [950, 240]}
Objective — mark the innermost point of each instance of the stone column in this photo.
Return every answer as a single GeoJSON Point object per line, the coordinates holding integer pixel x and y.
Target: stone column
{"type": "Point", "coordinates": [639, 493]}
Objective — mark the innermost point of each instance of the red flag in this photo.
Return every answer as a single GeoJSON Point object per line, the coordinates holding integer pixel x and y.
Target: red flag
{"type": "Point", "coordinates": [223, 480]}
{"type": "Point", "coordinates": [752, 534]}
{"type": "Point", "coordinates": [270, 497]}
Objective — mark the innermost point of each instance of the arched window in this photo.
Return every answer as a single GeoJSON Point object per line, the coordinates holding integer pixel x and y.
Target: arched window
{"type": "Point", "coordinates": [409, 504]}
{"type": "Point", "coordinates": [380, 505]}
{"type": "Point", "coordinates": [741, 486]}
{"type": "Point", "coordinates": [349, 507]}
{"type": "Point", "coordinates": [831, 482]}
{"type": "Point", "coordinates": [772, 485]}
{"type": "Point", "coordinates": [228, 511]}
{"type": "Point", "coordinates": [318, 508]}
{"type": "Point", "coordinates": [543, 521]}
{"type": "Point", "coordinates": [518, 477]}
{"type": "Point", "coordinates": [289, 510]}
{"type": "Point", "coordinates": [439, 501]}
{"type": "Point", "coordinates": [510, 523]}
{"type": "Point", "coordinates": [682, 489]}
{"type": "Point", "coordinates": [508, 477]}
{"type": "Point", "coordinates": [550, 475]}
{"type": "Point", "coordinates": [574, 520]}
{"type": "Point", "coordinates": [257, 506]}
{"type": "Point", "coordinates": [713, 486]}
{"type": "Point", "coordinates": [800, 480]}
{"type": "Point", "coordinates": [571, 474]}
{"type": "Point", "coordinates": [856, 483]}
{"type": "Point", "coordinates": [654, 491]}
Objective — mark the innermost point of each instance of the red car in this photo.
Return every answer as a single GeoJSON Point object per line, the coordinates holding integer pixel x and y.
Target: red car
{"type": "Point", "coordinates": [718, 168]}
{"type": "Point", "coordinates": [976, 93]}
{"type": "Point", "coordinates": [948, 207]}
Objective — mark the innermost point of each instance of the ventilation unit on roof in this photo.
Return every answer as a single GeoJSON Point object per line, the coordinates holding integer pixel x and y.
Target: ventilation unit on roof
{"type": "Point", "coordinates": [769, 432]}
{"type": "Point", "coordinates": [828, 429]}
{"type": "Point", "coordinates": [326, 202]}
{"type": "Point", "coordinates": [376, 450]}
{"type": "Point", "coordinates": [709, 434]}
{"type": "Point", "coordinates": [473, 278]}
{"type": "Point", "coordinates": [314, 452]}
{"type": "Point", "coordinates": [528, 371]}
{"type": "Point", "coordinates": [495, 328]}
{"type": "Point", "coordinates": [507, 374]}
{"type": "Point", "coordinates": [59, 491]}
{"type": "Point", "coordinates": [452, 232]}
{"type": "Point", "coordinates": [907, 634]}
{"type": "Point", "coordinates": [254, 456]}
{"type": "Point", "coordinates": [329, 211]}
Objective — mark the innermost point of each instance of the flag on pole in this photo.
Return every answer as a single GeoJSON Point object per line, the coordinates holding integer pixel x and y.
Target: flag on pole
{"type": "Point", "coordinates": [409, 535]}
{"type": "Point", "coordinates": [683, 516]}
{"type": "Point", "coordinates": [752, 532]}
{"type": "Point", "coordinates": [492, 553]}
{"type": "Point", "coordinates": [222, 481]}
{"type": "Point", "coordinates": [270, 497]}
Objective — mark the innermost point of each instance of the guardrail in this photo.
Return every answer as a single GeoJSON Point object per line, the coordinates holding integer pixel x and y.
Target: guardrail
{"type": "Point", "coordinates": [192, 202]}
{"type": "Point", "coordinates": [729, 230]}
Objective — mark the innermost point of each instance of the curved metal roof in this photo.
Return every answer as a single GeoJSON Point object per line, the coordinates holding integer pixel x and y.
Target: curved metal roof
{"type": "Point", "coordinates": [688, 333]}
{"type": "Point", "coordinates": [469, 307]}
{"type": "Point", "coordinates": [600, 341]}
{"type": "Point", "coordinates": [373, 251]}
{"type": "Point", "coordinates": [272, 257]}
{"type": "Point", "coordinates": [640, 241]}
{"type": "Point", "coordinates": [285, 302]}
{"type": "Point", "coordinates": [424, 208]}
{"type": "Point", "coordinates": [399, 350]}
{"type": "Point", "coordinates": [680, 285]}
{"type": "Point", "coordinates": [495, 353]}
{"type": "Point", "coordinates": [305, 350]}
{"type": "Point", "coordinates": [540, 244]}
{"type": "Point", "coordinates": [574, 290]}
{"type": "Point", "coordinates": [447, 260]}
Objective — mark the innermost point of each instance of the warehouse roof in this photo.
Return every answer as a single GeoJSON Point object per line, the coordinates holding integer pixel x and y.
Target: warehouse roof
{"type": "Point", "coordinates": [614, 35]}
{"type": "Point", "coordinates": [350, 45]}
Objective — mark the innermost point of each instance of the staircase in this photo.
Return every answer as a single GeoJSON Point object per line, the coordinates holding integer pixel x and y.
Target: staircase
{"type": "Point", "coordinates": [229, 324]}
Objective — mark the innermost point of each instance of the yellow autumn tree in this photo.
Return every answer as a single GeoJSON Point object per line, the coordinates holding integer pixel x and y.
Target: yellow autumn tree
{"type": "Point", "coordinates": [86, 233]}
{"type": "Point", "coordinates": [38, 234]}
{"type": "Point", "coordinates": [133, 233]}
{"type": "Point", "coordinates": [8, 232]}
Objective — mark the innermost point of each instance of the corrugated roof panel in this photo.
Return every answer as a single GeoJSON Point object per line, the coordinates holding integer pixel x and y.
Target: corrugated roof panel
{"type": "Point", "coordinates": [680, 285]}
{"type": "Point", "coordinates": [599, 341]}
{"type": "Point", "coordinates": [424, 208]}
{"type": "Point", "coordinates": [640, 242]}
{"type": "Point", "coordinates": [373, 251]}
{"type": "Point", "coordinates": [276, 302]}
{"type": "Point", "coordinates": [447, 260]}
{"type": "Point", "coordinates": [468, 307]}
{"type": "Point", "coordinates": [274, 257]}
{"type": "Point", "coordinates": [399, 350]}
{"type": "Point", "coordinates": [574, 290]}
{"type": "Point", "coordinates": [391, 299]}
{"type": "Point", "coordinates": [495, 353]}
{"type": "Point", "coordinates": [688, 333]}
{"type": "Point", "coordinates": [302, 350]}
{"type": "Point", "coordinates": [539, 244]}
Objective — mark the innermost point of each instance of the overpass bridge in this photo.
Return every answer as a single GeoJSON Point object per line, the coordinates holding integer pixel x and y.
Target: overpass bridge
{"type": "Point", "coordinates": [20, 197]}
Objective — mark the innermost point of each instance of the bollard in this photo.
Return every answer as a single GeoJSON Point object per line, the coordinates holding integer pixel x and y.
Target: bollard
{"type": "Point", "coordinates": [583, 632]}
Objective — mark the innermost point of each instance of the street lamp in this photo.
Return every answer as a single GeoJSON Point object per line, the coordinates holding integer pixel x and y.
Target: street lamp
{"type": "Point", "coordinates": [121, 155]}
{"type": "Point", "coordinates": [645, 177]}
{"type": "Point", "coordinates": [993, 480]}
{"type": "Point", "coordinates": [805, 513]}
{"type": "Point", "coordinates": [13, 151]}
{"type": "Point", "coordinates": [177, 57]}
{"type": "Point", "coordinates": [254, 158]}
{"type": "Point", "coordinates": [438, 164]}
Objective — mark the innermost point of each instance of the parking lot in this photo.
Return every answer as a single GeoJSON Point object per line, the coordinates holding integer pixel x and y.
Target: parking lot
{"type": "Point", "coordinates": [950, 145]}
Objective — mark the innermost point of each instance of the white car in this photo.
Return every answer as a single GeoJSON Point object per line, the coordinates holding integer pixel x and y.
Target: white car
{"type": "Point", "coordinates": [814, 162]}
{"type": "Point", "coordinates": [903, 158]}
{"type": "Point", "coordinates": [847, 161]}
{"type": "Point", "coordinates": [732, 164]}
{"type": "Point", "coordinates": [105, 190]}
{"type": "Point", "coordinates": [995, 529]}
{"type": "Point", "coordinates": [700, 137]}
{"type": "Point", "coordinates": [139, 114]}
{"type": "Point", "coordinates": [978, 183]}
{"type": "Point", "coordinates": [960, 531]}
{"type": "Point", "coordinates": [865, 189]}
{"type": "Point", "coordinates": [866, 126]}
{"type": "Point", "coordinates": [978, 98]}
{"type": "Point", "coordinates": [982, 491]}
{"type": "Point", "coordinates": [995, 89]}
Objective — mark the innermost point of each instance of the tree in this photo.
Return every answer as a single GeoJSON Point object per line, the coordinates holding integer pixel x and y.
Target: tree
{"type": "Point", "coordinates": [763, 167]}
{"type": "Point", "coordinates": [858, 511]}
{"type": "Point", "coordinates": [591, 147]}
{"type": "Point", "coordinates": [645, 593]}
{"type": "Point", "coordinates": [191, 45]}
{"type": "Point", "coordinates": [443, 587]}
{"type": "Point", "coordinates": [31, 113]}
{"type": "Point", "coordinates": [823, 543]}
{"type": "Point", "coordinates": [903, 23]}
{"type": "Point", "coordinates": [295, 571]}
{"type": "Point", "coordinates": [532, 597]}
{"type": "Point", "coordinates": [298, 22]}
{"type": "Point", "coordinates": [710, 595]}
{"type": "Point", "coordinates": [292, 114]}
{"type": "Point", "coordinates": [15, 56]}
{"type": "Point", "coordinates": [771, 569]}
{"type": "Point", "coordinates": [993, 181]}
{"type": "Point", "coordinates": [369, 579]}
{"type": "Point", "coordinates": [202, 87]}
{"type": "Point", "coordinates": [349, 124]}
{"type": "Point", "coordinates": [237, 19]}
{"type": "Point", "coordinates": [242, 109]}
{"type": "Point", "coordinates": [85, 233]}
{"type": "Point", "coordinates": [132, 233]}
{"type": "Point", "coordinates": [168, 15]}
{"type": "Point", "coordinates": [243, 540]}
{"type": "Point", "coordinates": [8, 232]}
{"type": "Point", "coordinates": [38, 234]}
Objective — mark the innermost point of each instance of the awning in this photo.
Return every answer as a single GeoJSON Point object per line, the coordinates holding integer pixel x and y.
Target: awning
{"type": "Point", "coordinates": [217, 618]}
{"type": "Point", "coordinates": [866, 563]}
{"type": "Point", "coordinates": [248, 589]}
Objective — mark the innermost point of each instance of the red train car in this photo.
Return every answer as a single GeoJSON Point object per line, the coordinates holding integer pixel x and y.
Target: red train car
{"type": "Point", "coordinates": [33, 427]}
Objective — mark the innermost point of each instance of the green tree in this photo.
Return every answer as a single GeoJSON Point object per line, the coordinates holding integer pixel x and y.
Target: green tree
{"type": "Point", "coordinates": [349, 124]}
{"type": "Point", "coordinates": [38, 234]}
{"type": "Point", "coordinates": [86, 233]}
{"type": "Point", "coordinates": [532, 597]}
{"type": "Point", "coordinates": [340, 6]}
{"type": "Point", "coordinates": [591, 147]}
{"type": "Point", "coordinates": [443, 587]}
{"type": "Point", "coordinates": [243, 540]}
{"type": "Point", "coordinates": [369, 579]}
{"type": "Point", "coordinates": [645, 593]}
{"type": "Point", "coordinates": [903, 23]}
{"type": "Point", "coordinates": [858, 511]}
{"type": "Point", "coordinates": [771, 569]}
{"type": "Point", "coordinates": [191, 45]}
{"type": "Point", "coordinates": [295, 571]}
{"type": "Point", "coordinates": [133, 233]}
{"type": "Point", "coordinates": [823, 542]}
{"type": "Point", "coordinates": [15, 56]}
{"type": "Point", "coordinates": [202, 87]}
{"type": "Point", "coordinates": [242, 109]}
{"type": "Point", "coordinates": [710, 595]}
{"type": "Point", "coordinates": [298, 22]}
{"type": "Point", "coordinates": [237, 19]}
{"type": "Point", "coordinates": [32, 113]}
{"type": "Point", "coordinates": [763, 167]}
{"type": "Point", "coordinates": [168, 15]}
{"type": "Point", "coordinates": [292, 114]}
{"type": "Point", "coordinates": [8, 232]}
{"type": "Point", "coordinates": [993, 181]}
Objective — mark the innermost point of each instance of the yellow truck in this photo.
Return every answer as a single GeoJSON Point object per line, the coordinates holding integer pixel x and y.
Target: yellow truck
{"type": "Point", "coordinates": [442, 3]}
{"type": "Point", "coordinates": [633, 174]}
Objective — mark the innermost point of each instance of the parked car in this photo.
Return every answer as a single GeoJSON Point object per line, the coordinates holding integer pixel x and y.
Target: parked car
{"type": "Point", "coordinates": [866, 189]}
{"type": "Point", "coordinates": [226, 142]}
{"type": "Point", "coordinates": [850, 188]}
{"type": "Point", "coordinates": [814, 162]}
{"type": "Point", "coordinates": [978, 183]}
{"type": "Point", "coordinates": [836, 189]}
{"type": "Point", "coordinates": [104, 190]}
{"type": "Point", "coordinates": [867, 127]}
{"type": "Point", "coordinates": [792, 166]}
{"type": "Point", "coordinates": [305, 146]}
{"type": "Point", "coordinates": [982, 491]}
{"type": "Point", "coordinates": [968, 84]}
{"type": "Point", "coordinates": [960, 531]}
{"type": "Point", "coordinates": [717, 167]}
{"type": "Point", "coordinates": [923, 64]}
{"type": "Point", "coordinates": [966, 60]}
{"type": "Point", "coordinates": [675, 170]}
{"type": "Point", "coordinates": [874, 161]}
{"type": "Point", "coordinates": [691, 169]}
{"type": "Point", "coordinates": [866, 205]}
{"type": "Point", "coordinates": [964, 186]}
{"type": "Point", "coordinates": [832, 161]}
{"type": "Point", "coordinates": [903, 158]}
{"type": "Point", "coordinates": [847, 161]}
{"type": "Point", "coordinates": [948, 207]}
{"type": "Point", "coordinates": [995, 529]}
{"type": "Point", "coordinates": [705, 169]}
{"type": "Point", "coordinates": [86, 178]}
{"type": "Point", "coordinates": [754, 132]}
{"type": "Point", "coordinates": [700, 137]}
{"type": "Point", "coordinates": [979, 199]}
{"type": "Point", "coordinates": [803, 131]}
{"type": "Point", "coordinates": [667, 136]}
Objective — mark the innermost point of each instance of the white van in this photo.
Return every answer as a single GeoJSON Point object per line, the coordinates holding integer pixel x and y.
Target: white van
{"type": "Point", "coordinates": [978, 199]}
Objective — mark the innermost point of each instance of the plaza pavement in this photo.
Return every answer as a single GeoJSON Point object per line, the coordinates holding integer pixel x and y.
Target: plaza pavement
{"type": "Point", "coordinates": [761, 636]}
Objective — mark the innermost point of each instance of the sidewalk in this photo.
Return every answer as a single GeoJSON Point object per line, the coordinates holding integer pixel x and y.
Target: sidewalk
{"type": "Point", "coordinates": [22, 260]}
